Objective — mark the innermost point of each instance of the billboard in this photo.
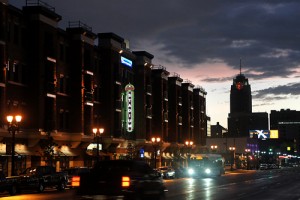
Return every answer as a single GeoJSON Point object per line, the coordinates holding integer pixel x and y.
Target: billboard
{"type": "Point", "coordinates": [264, 134]}
{"type": "Point", "coordinates": [260, 134]}
{"type": "Point", "coordinates": [274, 134]}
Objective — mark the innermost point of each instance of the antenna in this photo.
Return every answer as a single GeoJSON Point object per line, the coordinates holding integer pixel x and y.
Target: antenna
{"type": "Point", "coordinates": [240, 66]}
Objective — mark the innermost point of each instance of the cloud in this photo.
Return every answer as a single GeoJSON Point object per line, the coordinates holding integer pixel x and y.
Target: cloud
{"type": "Point", "coordinates": [278, 92]}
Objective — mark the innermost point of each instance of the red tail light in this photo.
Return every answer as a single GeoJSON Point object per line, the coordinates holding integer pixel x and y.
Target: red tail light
{"type": "Point", "coordinates": [75, 181]}
{"type": "Point", "coordinates": [125, 181]}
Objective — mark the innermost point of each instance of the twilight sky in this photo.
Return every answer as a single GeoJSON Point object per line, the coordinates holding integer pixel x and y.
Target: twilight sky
{"type": "Point", "coordinates": [203, 42]}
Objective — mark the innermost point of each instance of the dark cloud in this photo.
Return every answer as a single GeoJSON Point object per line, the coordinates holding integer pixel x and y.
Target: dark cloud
{"type": "Point", "coordinates": [265, 34]}
{"type": "Point", "coordinates": [278, 93]}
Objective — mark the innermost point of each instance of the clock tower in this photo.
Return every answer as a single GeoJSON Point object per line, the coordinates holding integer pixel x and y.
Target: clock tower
{"type": "Point", "coordinates": [240, 116]}
{"type": "Point", "coordinates": [240, 95]}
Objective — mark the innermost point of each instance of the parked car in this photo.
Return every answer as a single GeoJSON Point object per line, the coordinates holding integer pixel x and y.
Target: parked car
{"type": "Point", "coordinates": [129, 179]}
{"type": "Point", "coordinates": [37, 178]}
{"type": "Point", "coordinates": [8, 184]}
{"type": "Point", "coordinates": [75, 171]}
{"type": "Point", "coordinates": [167, 172]}
{"type": "Point", "coordinates": [263, 166]}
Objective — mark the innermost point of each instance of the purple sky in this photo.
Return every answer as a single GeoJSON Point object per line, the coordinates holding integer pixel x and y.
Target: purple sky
{"type": "Point", "coordinates": [203, 41]}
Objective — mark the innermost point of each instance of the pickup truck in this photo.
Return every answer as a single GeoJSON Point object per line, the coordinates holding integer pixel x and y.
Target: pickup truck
{"type": "Point", "coordinates": [40, 177]}
{"type": "Point", "coordinates": [119, 179]}
{"type": "Point", "coordinates": [8, 184]}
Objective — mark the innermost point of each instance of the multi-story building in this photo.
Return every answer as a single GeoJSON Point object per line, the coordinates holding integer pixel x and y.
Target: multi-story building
{"type": "Point", "coordinates": [175, 108]}
{"type": "Point", "coordinates": [187, 112]}
{"type": "Point", "coordinates": [287, 122]}
{"type": "Point", "coordinates": [200, 118]}
{"type": "Point", "coordinates": [143, 92]}
{"type": "Point", "coordinates": [241, 119]}
{"type": "Point", "coordinates": [218, 131]}
{"type": "Point", "coordinates": [64, 85]}
{"type": "Point", "coordinates": [160, 110]}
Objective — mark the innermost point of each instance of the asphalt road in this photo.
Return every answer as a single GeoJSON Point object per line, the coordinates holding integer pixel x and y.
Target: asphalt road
{"type": "Point", "coordinates": [276, 184]}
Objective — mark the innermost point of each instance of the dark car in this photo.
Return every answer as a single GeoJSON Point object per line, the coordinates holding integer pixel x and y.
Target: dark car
{"type": "Point", "coordinates": [8, 184]}
{"type": "Point", "coordinates": [75, 171]}
{"type": "Point", "coordinates": [40, 177]}
{"type": "Point", "coordinates": [125, 179]}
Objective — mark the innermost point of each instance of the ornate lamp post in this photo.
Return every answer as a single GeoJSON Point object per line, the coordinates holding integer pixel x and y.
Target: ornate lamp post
{"type": "Point", "coordinates": [247, 160]}
{"type": "Point", "coordinates": [189, 145]}
{"type": "Point", "coordinates": [13, 126]}
{"type": "Point", "coordinates": [214, 148]}
{"type": "Point", "coordinates": [97, 134]}
{"type": "Point", "coordinates": [155, 144]}
{"type": "Point", "coordinates": [232, 150]}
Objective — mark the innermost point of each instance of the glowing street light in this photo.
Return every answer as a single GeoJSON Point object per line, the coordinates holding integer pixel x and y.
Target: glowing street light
{"type": "Point", "coordinates": [13, 126]}
{"type": "Point", "coordinates": [155, 144]}
{"type": "Point", "coordinates": [232, 150]}
{"type": "Point", "coordinates": [214, 147]}
{"type": "Point", "coordinates": [97, 134]}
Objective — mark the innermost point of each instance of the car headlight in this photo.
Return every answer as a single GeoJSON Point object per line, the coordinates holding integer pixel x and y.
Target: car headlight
{"type": "Point", "coordinates": [191, 171]}
{"type": "Point", "coordinates": [207, 171]}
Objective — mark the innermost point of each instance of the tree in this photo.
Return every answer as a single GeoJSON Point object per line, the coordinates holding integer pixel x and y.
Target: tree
{"type": "Point", "coordinates": [48, 146]}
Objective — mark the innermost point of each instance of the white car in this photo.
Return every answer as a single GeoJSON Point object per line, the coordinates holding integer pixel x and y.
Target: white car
{"type": "Point", "coordinates": [167, 172]}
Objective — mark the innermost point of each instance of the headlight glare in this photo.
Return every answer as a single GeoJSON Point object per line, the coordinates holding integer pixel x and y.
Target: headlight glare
{"type": "Point", "coordinates": [191, 171]}
{"type": "Point", "coordinates": [207, 171]}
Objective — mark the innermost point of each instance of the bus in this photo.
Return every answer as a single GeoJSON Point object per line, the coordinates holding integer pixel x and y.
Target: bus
{"type": "Point", "coordinates": [206, 165]}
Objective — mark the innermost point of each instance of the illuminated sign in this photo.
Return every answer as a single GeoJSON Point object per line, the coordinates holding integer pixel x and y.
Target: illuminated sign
{"type": "Point", "coordinates": [126, 61]}
{"type": "Point", "coordinates": [260, 134]}
{"type": "Point", "coordinates": [274, 134]}
{"type": "Point", "coordinates": [129, 105]}
{"type": "Point", "coordinates": [264, 134]}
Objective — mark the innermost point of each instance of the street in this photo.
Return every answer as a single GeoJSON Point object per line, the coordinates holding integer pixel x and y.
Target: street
{"type": "Point", "coordinates": [273, 184]}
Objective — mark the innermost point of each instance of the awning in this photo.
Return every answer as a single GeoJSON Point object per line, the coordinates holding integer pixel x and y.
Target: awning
{"type": "Point", "coordinates": [65, 151]}
{"type": "Point", "coordinates": [147, 155]}
{"type": "Point", "coordinates": [167, 156]}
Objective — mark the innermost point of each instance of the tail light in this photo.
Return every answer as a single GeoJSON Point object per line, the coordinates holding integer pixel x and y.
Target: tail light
{"type": "Point", "coordinates": [125, 181]}
{"type": "Point", "coordinates": [75, 181]}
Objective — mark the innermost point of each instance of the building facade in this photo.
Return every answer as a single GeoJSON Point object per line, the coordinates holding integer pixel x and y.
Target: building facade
{"type": "Point", "coordinates": [64, 85]}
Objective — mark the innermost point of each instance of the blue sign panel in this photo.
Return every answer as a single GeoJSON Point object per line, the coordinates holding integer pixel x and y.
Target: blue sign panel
{"type": "Point", "coordinates": [260, 134]}
{"type": "Point", "coordinates": [126, 61]}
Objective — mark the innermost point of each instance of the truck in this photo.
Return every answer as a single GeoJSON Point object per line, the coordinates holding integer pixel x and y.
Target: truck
{"type": "Point", "coordinates": [206, 165]}
{"type": "Point", "coordinates": [40, 177]}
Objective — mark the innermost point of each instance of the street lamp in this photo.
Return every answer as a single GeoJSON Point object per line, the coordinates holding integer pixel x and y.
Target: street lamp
{"type": "Point", "coordinates": [13, 126]}
{"type": "Point", "coordinates": [232, 149]}
{"type": "Point", "coordinates": [247, 160]}
{"type": "Point", "coordinates": [97, 134]}
{"type": "Point", "coordinates": [214, 148]}
{"type": "Point", "coordinates": [189, 145]}
{"type": "Point", "coordinates": [155, 144]}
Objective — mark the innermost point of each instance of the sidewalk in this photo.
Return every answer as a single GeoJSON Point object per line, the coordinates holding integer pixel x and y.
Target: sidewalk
{"type": "Point", "coordinates": [239, 171]}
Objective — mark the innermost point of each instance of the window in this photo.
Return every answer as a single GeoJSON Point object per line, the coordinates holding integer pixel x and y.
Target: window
{"type": "Point", "coordinates": [63, 120]}
{"type": "Point", "coordinates": [61, 52]}
{"type": "Point", "coordinates": [16, 34]}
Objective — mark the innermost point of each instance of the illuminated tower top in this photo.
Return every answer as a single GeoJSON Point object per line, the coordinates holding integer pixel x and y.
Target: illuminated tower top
{"type": "Point", "coordinates": [240, 95]}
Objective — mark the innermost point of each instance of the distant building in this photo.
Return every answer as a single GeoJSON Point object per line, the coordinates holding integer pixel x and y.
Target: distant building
{"type": "Point", "coordinates": [287, 122]}
{"type": "Point", "coordinates": [218, 131]}
{"type": "Point", "coordinates": [241, 119]}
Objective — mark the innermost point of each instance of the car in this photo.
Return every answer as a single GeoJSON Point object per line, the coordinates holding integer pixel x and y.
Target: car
{"type": "Point", "coordinates": [75, 171]}
{"type": "Point", "coordinates": [129, 179]}
{"type": "Point", "coordinates": [40, 177]}
{"type": "Point", "coordinates": [167, 172]}
{"type": "Point", "coordinates": [263, 166]}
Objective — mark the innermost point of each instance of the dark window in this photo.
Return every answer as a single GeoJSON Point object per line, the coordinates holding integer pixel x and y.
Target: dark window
{"type": "Point", "coordinates": [61, 52]}
{"type": "Point", "coordinates": [16, 34]}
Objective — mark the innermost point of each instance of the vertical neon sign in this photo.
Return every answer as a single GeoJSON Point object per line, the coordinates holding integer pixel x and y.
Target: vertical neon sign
{"type": "Point", "coordinates": [129, 105]}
